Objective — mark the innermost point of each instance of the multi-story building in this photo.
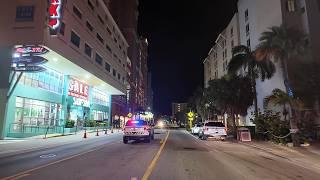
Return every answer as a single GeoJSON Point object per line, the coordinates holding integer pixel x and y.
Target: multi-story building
{"type": "Point", "coordinates": [82, 53]}
{"type": "Point", "coordinates": [179, 107]}
{"type": "Point", "coordinates": [255, 17]}
{"type": "Point", "coordinates": [126, 15]}
{"type": "Point", "coordinates": [149, 93]}
{"type": "Point", "coordinates": [215, 65]}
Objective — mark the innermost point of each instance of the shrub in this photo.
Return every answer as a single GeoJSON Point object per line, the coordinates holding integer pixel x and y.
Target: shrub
{"type": "Point", "coordinates": [89, 123]}
{"type": "Point", "coordinates": [69, 124]}
{"type": "Point", "coordinates": [269, 125]}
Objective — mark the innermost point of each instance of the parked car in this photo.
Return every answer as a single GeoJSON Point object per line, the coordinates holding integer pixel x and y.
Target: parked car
{"type": "Point", "coordinates": [196, 128]}
{"type": "Point", "coordinates": [213, 129]}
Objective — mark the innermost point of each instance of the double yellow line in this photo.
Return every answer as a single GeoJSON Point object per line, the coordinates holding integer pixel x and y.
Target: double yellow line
{"type": "Point", "coordinates": [155, 160]}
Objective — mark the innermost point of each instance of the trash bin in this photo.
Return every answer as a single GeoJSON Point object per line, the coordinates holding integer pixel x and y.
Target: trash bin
{"type": "Point", "coordinates": [243, 134]}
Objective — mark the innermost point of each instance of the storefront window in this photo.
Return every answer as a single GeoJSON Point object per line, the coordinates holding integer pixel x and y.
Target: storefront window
{"type": "Point", "coordinates": [99, 115]}
{"type": "Point", "coordinates": [49, 80]}
{"type": "Point", "coordinates": [100, 98]}
{"type": "Point", "coordinates": [37, 113]}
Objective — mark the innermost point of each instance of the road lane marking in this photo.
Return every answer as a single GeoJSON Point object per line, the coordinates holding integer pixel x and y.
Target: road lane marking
{"type": "Point", "coordinates": [52, 163]}
{"type": "Point", "coordinates": [48, 156]}
{"type": "Point", "coordinates": [155, 160]}
{"type": "Point", "coordinates": [21, 176]}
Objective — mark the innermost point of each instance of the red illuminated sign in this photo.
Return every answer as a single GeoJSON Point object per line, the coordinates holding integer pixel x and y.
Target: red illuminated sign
{"type": "Point", "coordinates": [78, 89]}
{"type": "Point", "coordinates": [34, 50]}
{"type": "Point", "coordinates": [55, 13]}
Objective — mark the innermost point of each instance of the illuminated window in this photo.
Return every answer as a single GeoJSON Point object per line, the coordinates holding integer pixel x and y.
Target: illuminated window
{"type": "Point", "coordinates": [291, 5]}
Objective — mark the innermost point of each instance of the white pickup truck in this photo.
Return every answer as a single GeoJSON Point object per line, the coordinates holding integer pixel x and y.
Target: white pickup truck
{"type": "Point", "coordinates": [212, 129]}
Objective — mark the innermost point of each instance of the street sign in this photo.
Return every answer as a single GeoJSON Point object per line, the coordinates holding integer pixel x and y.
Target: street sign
{"type": "Point", "coordinates": [28, 60]}
{"type": "Point", "coordinates": [29, 68]}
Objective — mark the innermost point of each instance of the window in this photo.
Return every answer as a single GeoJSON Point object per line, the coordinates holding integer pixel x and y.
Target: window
{"type": "Point", "coordinates": [75, 39]}
{"type": "Point", "coordinates": [90, 5]}
{"type": "Point", "coordinates": [119, 76]}
{"type": "Point", "coordinates": [108, 48]}
{"type": "Point", "coordinates": [89, 26]}
{"type": "Point", "coordinates": [62, 28]}
{"type": "Point", "coordinates": [120, 47]}
{"type": "Point", "coordinates": [247, 29]}
{"type": "Point", "coordinates": [115, 40]}
{"type": "Point", "coordinates": [246, 15]}
{"type": "Point", "coordinates": [100, 38]}
{"type": "Point", "coordinates": [231, 32]}
{"type": "Point", "coordinates": [109, 31]}
{"type": "Point", "coordinates": [100, 19]}
{"type": "Point", "coordinates": [248, 44]}
{"type": "Point", "coordinates": [232, 44]}
{"type": "Point", "coordinates": [123, 79]}
{"type": "Point", "coordinates": [114, 72]}
{"type": "Point", "coordinates": [107, 66]}
{"type": "Point", "coordinates": [87, 50]}
{"type": "Point", "coordinates": [291, 5]}
{"type": "Point", "coordinates": [98, 59]}
{"type": "Point", "coordinates": [49, 80]}
{"type": "Point", "coordinates": [24, 13]}
{"type": "Point", "coordinates": [77, 12]}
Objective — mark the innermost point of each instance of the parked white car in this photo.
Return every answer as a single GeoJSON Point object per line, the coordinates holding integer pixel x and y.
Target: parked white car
{"type": "Point", "coordinates": [213, 129]}
{"type": "Point", "coordinates": [196, 128]}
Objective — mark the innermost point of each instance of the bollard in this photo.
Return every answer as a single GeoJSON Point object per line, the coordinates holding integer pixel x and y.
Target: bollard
{"type": "Point", "coordinates": [111, 130]}
{"type": "Point", "coordinates": [85, 134]}
{"type": "Point", "coordinates": [106, 132]}
{"type": "Point", "coordinates": [97, 133]}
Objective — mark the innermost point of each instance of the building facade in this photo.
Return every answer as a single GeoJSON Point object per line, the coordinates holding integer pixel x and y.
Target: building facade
{"type": "Point", "coordinates": [82, 53]}
{"type": "Point", "coordinates": [126, 15]}
{"type": "Point", "coordinates": [178, 108]}
{"type": "Point", "coordinates": [215, 64]}
{"type": "Point", "coordinates": [255, 17]}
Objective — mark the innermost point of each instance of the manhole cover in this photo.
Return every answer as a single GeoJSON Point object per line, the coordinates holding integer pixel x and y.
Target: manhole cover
{"type": "Point", "coordinates": [47, 156]}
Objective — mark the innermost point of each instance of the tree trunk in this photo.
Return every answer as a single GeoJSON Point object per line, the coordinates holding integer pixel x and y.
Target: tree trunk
{"type": "Point", "coordinates": [254, 89]}
{"type": "Point", "coordinates": [294, 125]}
{"type": "Point", "coordinates": [234, 130]}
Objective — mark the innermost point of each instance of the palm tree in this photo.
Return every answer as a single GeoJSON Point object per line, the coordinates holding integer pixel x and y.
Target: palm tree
{"type": "Point", "coordinates": [279, 97]}
{"type": "Point", "coordinates": [244, 59]}
{"type": "Point", "coordinates": [281, 44]}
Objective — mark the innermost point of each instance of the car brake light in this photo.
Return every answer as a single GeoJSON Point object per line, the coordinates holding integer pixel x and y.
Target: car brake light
{"type": "Point", "coordinates": [226, 129]}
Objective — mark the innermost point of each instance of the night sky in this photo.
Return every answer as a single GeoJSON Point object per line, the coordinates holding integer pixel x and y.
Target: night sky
{"type": "Point", "coordinates": [180, 34]}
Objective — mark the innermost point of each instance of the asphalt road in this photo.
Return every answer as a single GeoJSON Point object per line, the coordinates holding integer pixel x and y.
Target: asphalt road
{"type": "Point", "coordinates": [182, 157]}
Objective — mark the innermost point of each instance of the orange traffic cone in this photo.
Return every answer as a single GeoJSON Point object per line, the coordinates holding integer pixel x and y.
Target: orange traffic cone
{"type": "Point", "coordinates": [97, 133]}
{"type": "Point", "coordinates": [85, 134]}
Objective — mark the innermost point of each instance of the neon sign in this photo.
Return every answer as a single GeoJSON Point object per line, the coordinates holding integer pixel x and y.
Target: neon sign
{"type": "Point", "coordinates": [78, 89]}
{"type": "Point", "coordinates": [55, 13]}
{"type": "Point", "coordinates": [31, 49]}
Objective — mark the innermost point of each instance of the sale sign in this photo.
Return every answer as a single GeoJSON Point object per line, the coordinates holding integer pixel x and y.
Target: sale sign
{"type": "Point", "coordinates": [78, 89]}
{"type": "Point", "coordinates": [55, 7]}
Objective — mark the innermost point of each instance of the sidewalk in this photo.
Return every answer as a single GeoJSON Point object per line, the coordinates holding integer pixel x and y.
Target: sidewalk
{"type": "Point", "coordinates": [12, 146]}
{"type": "Point", "coordinates": [303, 156]}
